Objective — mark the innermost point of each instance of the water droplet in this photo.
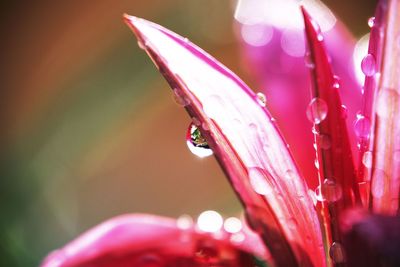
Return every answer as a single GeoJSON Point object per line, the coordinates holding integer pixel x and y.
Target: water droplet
{"type": "Point", "coordinates": [196, 143]}
{"type": "Point", "coordinates": [324, 141]}
{"type": "Point", "coordinates": [371, 22]}
{"type": "Point", "coordinates": [379, 179]}
{"type": "Point", "coordinates": [336, 82]}
{"type": "Point", "coordinates": [259, 181]}
{"type": "Point", "coordinates": [261, 99]}
{"type": "Point", "coordinates": [309, 61]}
{"type": "Point", "coordinates": [344, 112]}
{"type": "Point", "coordinates": [320, 37]}
{"type": "Point", "coordinates": [233, 225]}
{"type": "Point", "coordinates": [210, 221]}
{"type": "Point", "coordinates": [316, 164]}
{"type": "Point", "coordinates": [362, 127]}
{"type": "Point", "coordinates": [387, 102]}
{"type": "Point", "coordinates": [336, 252]}
{"type": "Point", "coordinates": [317, 110]}
{"type": "Point", "coordinates": [367, 159]}
{"type": "Point", "coordinates": [180, 98]}
{"type": "Point", "coordinates": [328, 191]}
{"type": "Point", "coordinates": [184, 222]}
{"type": "Point", "coordinates": [368, 65]}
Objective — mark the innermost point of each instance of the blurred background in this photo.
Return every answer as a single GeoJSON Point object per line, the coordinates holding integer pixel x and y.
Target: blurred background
{"type": "Point", "coordinates": [90, 129]}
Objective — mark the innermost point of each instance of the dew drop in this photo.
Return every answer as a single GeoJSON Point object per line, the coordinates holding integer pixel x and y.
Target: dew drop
{"type": "Point", "coordinates": [344, 112]}
{"type": "Point", "coordinates": [336, 82]}
{"type": "Point", "coordinates": [320, 37]}
{"type": "Point", "coordinates": [317, 110]}
{"type": "Point", "coordinates": [180, 98]}
{"type": "Point", "coordinates": [368, 65]}
{"type": "Point", "coordinates": [336, 252]}
{"type": "Point", "coordinates": [259, 182]}
{"type": "Point", "coordinates": [328, 191]}
{"type": "Point", "coordinates": [367, 159]}
{"type": "Point", "coordinates": [362, 127]}
{"type": "Point", "coordinates": [387, 102]}
{"type": "Point", "coordinates": [196, 143]}
{"type": "Point", "coordinates": [233, 225]}
{"type": "Point", "coordinates": [371, 22]}
{"type": "Point", "coordinates": [261, 99]}
{"type": "Point", "coordinates": [210, 221]}
{"type": "Point", "coordinates": [324, 141]}
{"type": "Point", "coordinates": [309, 61]}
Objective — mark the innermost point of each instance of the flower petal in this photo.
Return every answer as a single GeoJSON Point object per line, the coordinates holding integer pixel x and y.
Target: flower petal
{"type": "Point", "coordinates": [366, 119]}
{"type": "Point", "coordinates": [244, 140]}
{"type": "Point", "coordinates": [385, 142]}
{"type": "Point", "coordinates": [273, 50]}
{"type": "Point", "coordinates": [146, 240]}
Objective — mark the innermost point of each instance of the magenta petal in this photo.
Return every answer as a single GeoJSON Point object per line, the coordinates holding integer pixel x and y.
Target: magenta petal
{"type": "Point", "coordinates": [146, 240]}
{"type": "Point", "coordinates": [338, 187]}
{"type": "Point", "coordinates": [273, 50]}
{"type": "Point", "coordinates": [245, 141]}
{"type": "Point", "coordinates": [382, 103]}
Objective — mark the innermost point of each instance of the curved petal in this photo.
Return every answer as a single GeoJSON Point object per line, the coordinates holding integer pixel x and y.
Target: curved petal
{"type": "Point", "coordinates": [245, 141]}
{"type": "Point", "coordinates": [385, 167]}
{"type": "Point", "coordinates": [273, 51]}
{"type": "Point", "coordinates": [146, 240]}
{"type": "Point", "coordinates": [338, 186]}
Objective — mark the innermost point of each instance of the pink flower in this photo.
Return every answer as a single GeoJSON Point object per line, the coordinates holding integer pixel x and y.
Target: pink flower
{"type": "Point", "coordinates": [356, 169]}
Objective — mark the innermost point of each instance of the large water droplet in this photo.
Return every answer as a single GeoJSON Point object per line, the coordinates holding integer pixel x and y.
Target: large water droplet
{"type": "Point", "coordinates": [367, 159]}
{"type": "Point", "coordinates": [336, 252]}
{"type": "Point", "coordinates": [196, 143]}
{"type": "Point", "coordinates": [362, 127]}
{"type": "Point", "coordinates": [259, 182]}
{"type": "Point", "coordinates": [180, 98]}
{"type": "Point", "coordinates": [261, 99]}
{"type": "Point", "coordinates": [371, 22]}
{"type": "Point", "coordinates": [328, 191]}
{"type": "Point", "coordinates": [210, 221]}
{"type": "Point", "coordinates": [368, 65]}
{"type": "Point", "coordinates": [336, 82]}
{"type": "Point", "coordinates": [317, 110]}
{"type": "Point", "coordinates": [387, 102]}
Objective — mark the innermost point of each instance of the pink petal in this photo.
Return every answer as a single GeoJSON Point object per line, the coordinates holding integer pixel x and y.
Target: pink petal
{"type": "Point", "coordinates": [338, 187]}
{"type": "Point", "coordinates": [372, 64]}
{"type": "Point", "coordinates": [245, 141]}
{"type": "Point", "coordinates": [144, 240]}
{"type": "Point", "coordinates": [384, 169]}
{"type": "Point", "coordinates": [279, 68]}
